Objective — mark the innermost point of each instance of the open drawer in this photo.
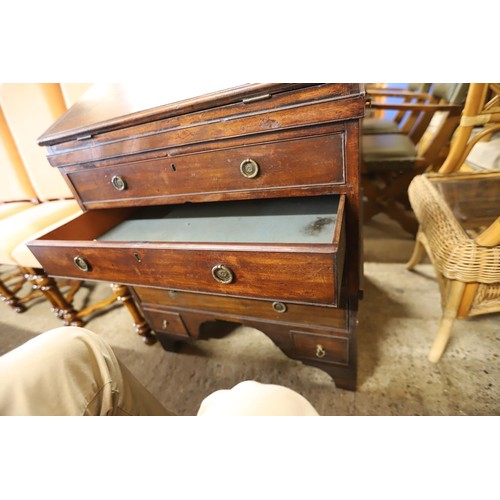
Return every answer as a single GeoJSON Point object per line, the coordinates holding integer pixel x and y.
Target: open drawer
{"type": "Point", "coordinates": [283, 249]}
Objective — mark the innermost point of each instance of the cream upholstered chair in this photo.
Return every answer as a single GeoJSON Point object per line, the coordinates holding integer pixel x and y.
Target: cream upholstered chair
{"type": "Point", "coordinates": [458, 210]}
{"type": "Point", "coordinates": [16, 195]}
{"type": "Point", "coordinates": [16, 191]}
{"type": "Point", "coordinates": [27, 111]}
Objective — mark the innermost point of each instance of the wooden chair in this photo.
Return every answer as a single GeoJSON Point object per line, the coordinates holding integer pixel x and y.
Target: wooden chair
{"type": "Point", "coordinates": [403, 121]}
{"type": "Point", "coordinates": [390, 161]}
{"type": "Point", "coordinates": [459, 216]}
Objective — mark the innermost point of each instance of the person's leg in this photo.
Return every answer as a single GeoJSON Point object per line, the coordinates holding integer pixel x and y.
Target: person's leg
{"type": "Point", "coordinates": [70, 371]}
{"type": "Point", "coordinates": [252, 398]}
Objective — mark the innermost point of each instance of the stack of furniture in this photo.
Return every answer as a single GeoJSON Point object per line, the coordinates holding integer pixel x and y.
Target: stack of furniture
{"type": "Point", "coordinates": [390, 160]}
{"type": "Point", "coordinates": [239, 206]}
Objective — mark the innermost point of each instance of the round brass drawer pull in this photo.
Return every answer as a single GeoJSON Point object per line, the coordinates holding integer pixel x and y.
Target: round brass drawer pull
{"type": "Point", "coordinates": [279, 307]}
{"type": "Point", "coordinates": [118, 183]}
{"type": "Point", "coordinates": [320, 351]}
{"type": "Point", "coordinates": [81, 263]}
{"type": "Point", "coordinates": [222, 274]}
{"type": "Point", "coordinates": [249, 168]}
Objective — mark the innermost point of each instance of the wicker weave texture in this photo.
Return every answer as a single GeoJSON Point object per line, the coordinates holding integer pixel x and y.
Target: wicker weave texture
{"type": "Point", "coordinates": [456, 256]}
{"type": "Point", "coordinates": [487, 299]}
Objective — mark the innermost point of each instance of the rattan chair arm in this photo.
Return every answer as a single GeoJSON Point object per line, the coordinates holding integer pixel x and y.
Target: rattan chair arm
{"type": "Point", "coordinates": [490, 237]}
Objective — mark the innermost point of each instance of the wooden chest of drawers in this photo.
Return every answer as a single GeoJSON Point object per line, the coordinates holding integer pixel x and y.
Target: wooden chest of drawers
{"type": "Point", "coordinates": [240, 206]}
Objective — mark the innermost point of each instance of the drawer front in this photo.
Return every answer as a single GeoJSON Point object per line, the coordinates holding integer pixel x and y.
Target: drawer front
{"type": "Point", "coordinates": [116, 245]}
{"type": "Point", "coordinates": [235, 173]}
{"type": "Point", "coordinates": [245, 308]}
{"type": "Point", "coordinates": [327, 348]}
{"type": "Point", "coordinates": [297, 277]}
{"type": "Point", "coordinates": [299, 257]}
{"type": "Point", "coordinates": [163, 321]}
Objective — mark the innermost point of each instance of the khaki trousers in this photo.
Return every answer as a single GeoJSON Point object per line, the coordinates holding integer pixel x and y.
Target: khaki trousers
{"type": "Point", "coordinates": [73, 371]}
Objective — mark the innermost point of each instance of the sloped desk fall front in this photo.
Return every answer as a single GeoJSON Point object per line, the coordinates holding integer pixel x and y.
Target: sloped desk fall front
{"type": "Point", "coordinates": [239, 206]}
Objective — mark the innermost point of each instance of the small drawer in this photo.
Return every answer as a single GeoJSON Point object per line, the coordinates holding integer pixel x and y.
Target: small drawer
{"type": "Point", "coordinates": [321, 347]}
{"type": "Point", "coordinates": [254, 171]}
{"type": "Point", "coordinates": [238, 308]}
{"type": "Point", "coordinates": [167, 322]}
{"type": "Point", "coordinates": [282, 249]}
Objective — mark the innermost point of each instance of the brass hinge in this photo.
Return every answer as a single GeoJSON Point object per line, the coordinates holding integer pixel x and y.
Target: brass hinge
{"type": "Point", "coordinates": [84, 137]}
{"type": "Point", "coordinates": [249, 100]}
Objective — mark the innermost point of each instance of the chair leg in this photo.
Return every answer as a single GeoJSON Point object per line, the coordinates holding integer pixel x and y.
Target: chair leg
{"type": "Point", "coordinates": [11, 299]}
{"type": "Point", "coordinates": [451, 307]}
{"type": "Point", "coordinates": [60, 306]}
{"type": "Point", "coordinates": [417, 255]}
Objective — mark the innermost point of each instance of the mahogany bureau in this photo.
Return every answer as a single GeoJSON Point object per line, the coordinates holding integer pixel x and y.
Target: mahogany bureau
{"type": "Point", "coordinates": [237, 206]}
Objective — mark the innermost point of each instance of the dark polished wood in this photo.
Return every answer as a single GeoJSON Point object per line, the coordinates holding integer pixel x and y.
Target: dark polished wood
{"type": "Point", "coordinates": [216, 175]}
{"type": "Point", "coordinates": [299, 337]}
{"type": "Point", "coordinates": [303, 273]}
{"type": "Point", "coordinates": [120, 149]}
{"type": "Point", "coordinates": [108, 107]}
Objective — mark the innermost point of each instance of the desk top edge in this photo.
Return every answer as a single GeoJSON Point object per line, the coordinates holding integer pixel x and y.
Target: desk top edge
{"type": "Point", "coordinates": [106, 107]}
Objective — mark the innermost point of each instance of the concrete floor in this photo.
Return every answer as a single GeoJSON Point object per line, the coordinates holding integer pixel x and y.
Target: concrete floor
{"type": "Point", "coordinates": [398, 318]}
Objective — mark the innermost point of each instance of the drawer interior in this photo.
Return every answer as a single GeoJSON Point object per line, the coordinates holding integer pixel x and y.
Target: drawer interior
{"type": "Point", "coordinates": [300, 220]}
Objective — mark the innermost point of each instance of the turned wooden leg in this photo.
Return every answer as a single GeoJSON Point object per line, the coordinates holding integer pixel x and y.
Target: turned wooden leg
{"type": "Point", "coordinates": [451, 306]}
{"type": "Point", "coordinates": [122, 294]}
{"type": "Point", "coordinates": [418, 253]}
{"type": "Point", "coordinates": [60, 306]}
{"type": "Point", "coordinates": [10, 299]}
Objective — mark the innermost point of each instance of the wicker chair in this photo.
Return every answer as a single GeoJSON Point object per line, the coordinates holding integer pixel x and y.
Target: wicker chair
{"type": "Point", "coordinates": [459, 216]}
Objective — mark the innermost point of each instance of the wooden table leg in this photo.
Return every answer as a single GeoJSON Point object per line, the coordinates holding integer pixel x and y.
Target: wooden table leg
{"type": "Point", "coordinates": [122, 294]}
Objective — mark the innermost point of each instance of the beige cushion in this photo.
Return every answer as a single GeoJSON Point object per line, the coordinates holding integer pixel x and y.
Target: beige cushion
{"type": "Point", "coordinates": [21, 227]}
{"type": "Point", "coordinates": [485, 155]}
{"type": "Point", "coordinates": [387, 152]}
{"type": "Point", "coordinates": [8, 209]}
{"type": "Point", "coordinates": [22, 254]}
{"type": "Point", "coordinates": [73, 91]}
{"type": "Point", "coordinates": [15, 184]}
{"type": "Point", "coordinates": [252, 398]}
{"type": "Point", "coordinates": [30, 109]}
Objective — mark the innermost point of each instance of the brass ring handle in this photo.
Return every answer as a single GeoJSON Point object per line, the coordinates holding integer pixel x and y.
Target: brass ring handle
{"type": "Point", "coordinates": [249, 168]}
{"type": "Point", "coordinates": [222, 274]}
{"type": "Point", "coordinates": [81, 263]}
{"type": "Point", "coordinates": [118, 183]}
{"type": "Point", "coordinates": [279, 307]}
{"type": "Point", "coordinates": [320, 351]}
